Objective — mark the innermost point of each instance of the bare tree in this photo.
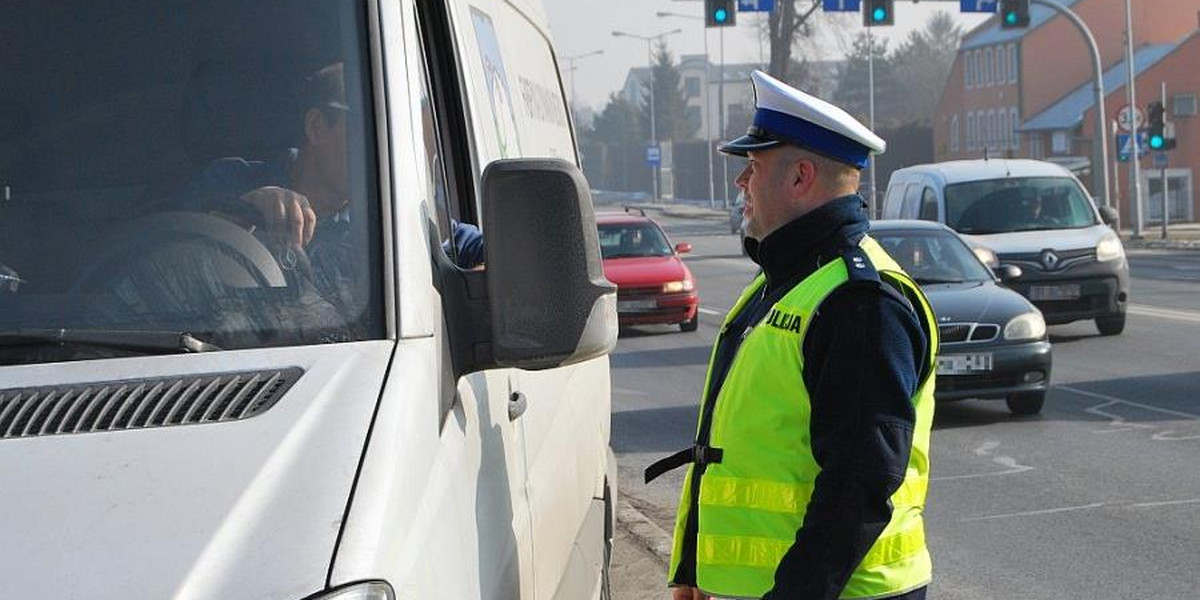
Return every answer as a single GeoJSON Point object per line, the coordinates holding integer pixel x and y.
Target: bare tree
{"type": "Point", "coordinates": [787, 22]}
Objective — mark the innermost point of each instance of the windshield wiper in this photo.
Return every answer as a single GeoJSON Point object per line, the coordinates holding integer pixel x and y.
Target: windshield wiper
{"type": "Point", "coordinates": [146, 341]}
{"type": "Point", "coordinates": [935, 280]}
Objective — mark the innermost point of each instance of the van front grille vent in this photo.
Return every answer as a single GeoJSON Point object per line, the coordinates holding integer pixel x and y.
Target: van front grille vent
{"type": "Point", "coordinates": [141, 404]}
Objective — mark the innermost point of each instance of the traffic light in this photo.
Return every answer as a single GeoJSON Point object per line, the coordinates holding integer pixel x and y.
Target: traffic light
{"type": "Point", "coordinates": [1014, 14]}
{"type": "Point", "coordinates": [1159, 133]}
{"type": "Point", "coordinates": [877, 13]}
{"type": "Point", "coordinates": [720, 13]}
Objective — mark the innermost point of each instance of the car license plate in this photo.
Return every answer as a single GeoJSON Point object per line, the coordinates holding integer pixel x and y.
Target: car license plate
{"type": "Point", "coordinates": [1066, 291]}
{"type": "Point", "coordinates": [628, 305]}
{"type": "Point", "coordinates": [964, 364]}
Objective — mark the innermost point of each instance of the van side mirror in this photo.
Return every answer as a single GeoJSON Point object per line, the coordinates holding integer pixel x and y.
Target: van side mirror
{"type": "Point", "coordinates": [1007, 273]}
{"type": "Point", "coordinates": [547, 301]}
{"type": "Point", "coordinates": [1109, 215]}
{"type": "Point", "coordinates": [683, 247]}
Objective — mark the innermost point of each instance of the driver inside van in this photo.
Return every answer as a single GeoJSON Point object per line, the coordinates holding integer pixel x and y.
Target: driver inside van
{"type": "Point", "coordinates": [301, 200]}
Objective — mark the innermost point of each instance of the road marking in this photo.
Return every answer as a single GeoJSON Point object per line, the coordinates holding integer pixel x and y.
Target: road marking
{"type": "Point", "coordinates": [985, 449]}
{"type": "Point", "coordinates": [626, 392]}
{"type": "Point", "coordinates": [1118, 423]}
{"type": "Point", "coordinates": [1165, 503]}
{"type": "Point", "coordinates": [1189, 316]}
{"type": "Point", "coordinates": [1111, 399]}
{"type": "Point", "coordinates": [1031, 513]}
{"type": "Point", "coordinates": [712, 311]}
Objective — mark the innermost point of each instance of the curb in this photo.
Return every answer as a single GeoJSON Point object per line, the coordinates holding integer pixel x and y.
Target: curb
{"type": "Point", "coordinates": [645, 531]}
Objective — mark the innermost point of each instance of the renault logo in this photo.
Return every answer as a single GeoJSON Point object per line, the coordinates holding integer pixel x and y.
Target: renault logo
{"type": "Point", "coordinates": [1049, 260]}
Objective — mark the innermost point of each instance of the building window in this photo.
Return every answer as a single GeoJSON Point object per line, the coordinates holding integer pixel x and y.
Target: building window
{"type": "Point", "coordinates": [967, 72]}
{"type": "Point", "coordinates": [1059, 142]}
{"type": "Point", "coordinates": [970, 131]}
{"type": "Point", "coordinates": [1012, 63]}
{"type": "Point", "coordinates": [1016, 124]}
{"type": "Point", "coordinates": [691, 87]}
{"type": "Point", "coordinates": [987, 66]}
{"type": "Point", "coordinates": [1183, 105]}
{"type": "Point", "coordinates": [954, 134]}
{"type": "Point", "coordinates": [975, 76]}
{"type": "Point", "coordinates": [998, 66]}
{"type": "Point", "coordinates": [1004, 142]}
{"type": "Point", "coordinates": [994, 127]}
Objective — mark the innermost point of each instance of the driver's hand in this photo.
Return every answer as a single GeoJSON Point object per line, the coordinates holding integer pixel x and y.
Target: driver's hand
{"type": "Point", "coordinates": [686, 593]}
{"type": "Point", "coordinates": [285, 212]}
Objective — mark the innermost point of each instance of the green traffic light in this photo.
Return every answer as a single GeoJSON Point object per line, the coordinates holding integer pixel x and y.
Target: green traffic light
{"type": "Point", "coordinates": [880, 14]}
{"type": "Point", "coordinates": [1157, 141]}
{"type": "Point", "coordinates": [1010, 17]}
{"type": "Point", "coordinates": [720, 16]}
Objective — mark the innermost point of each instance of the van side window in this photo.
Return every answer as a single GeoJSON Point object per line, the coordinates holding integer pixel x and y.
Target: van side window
{"type": "Point", "coordinates": [891, 202]}
{"type": "Point", "coordinates": [912, 196]}
{"type": "Point", "coordinates": [929, 206]}
{"type": "Point", "coordinates": [435, 169]}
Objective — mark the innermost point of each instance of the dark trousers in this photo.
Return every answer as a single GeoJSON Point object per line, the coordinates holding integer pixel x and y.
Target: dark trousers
{"type": "Point", "coordinates": [917, 594]}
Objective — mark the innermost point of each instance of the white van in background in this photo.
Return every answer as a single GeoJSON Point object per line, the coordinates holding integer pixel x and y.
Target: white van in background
{"type": "Point", "coordinates": [194, 407]}
{"type": "Point", "coordinates": [1034, 215]}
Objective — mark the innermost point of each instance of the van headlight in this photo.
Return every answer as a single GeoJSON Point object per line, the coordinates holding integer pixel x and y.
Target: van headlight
{"type": "Point", "coordinates": [1109, 248]}
{"type": "Point", "coordinates": [1029, 326]}
{"type": "Point", "coordinates": [371, 590]}
{"type": "Point", "coordinates": [672, 287]}
{"type": "Point", "coordinates": [986, 256]}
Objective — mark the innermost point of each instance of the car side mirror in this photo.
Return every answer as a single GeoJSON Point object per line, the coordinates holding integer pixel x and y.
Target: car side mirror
{"type": "Point", "coordinates": [1008, 273]}
{"type": "Point", "coordinates": [1109, 215]}
{"type": "Point", "coordinates": [683, 247]}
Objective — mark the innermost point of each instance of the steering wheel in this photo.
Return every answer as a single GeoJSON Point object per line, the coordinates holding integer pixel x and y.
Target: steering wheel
{"type": "Point", "coordinates": [244, 260]}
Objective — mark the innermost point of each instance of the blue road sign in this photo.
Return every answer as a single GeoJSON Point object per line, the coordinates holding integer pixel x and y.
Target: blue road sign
{"type": "Point", "coordinates": [653, 156]}
{"type": "Point", "coordinates": [977, 6]}
{"type": "Point", "coordinates": [1125, 145]}
{"type": "Point", "coordinates": [1160, 160]}
{"type": "Point", "coordinates": [841, 5]}
{"type": "Point", "coordinates": [756, 5]}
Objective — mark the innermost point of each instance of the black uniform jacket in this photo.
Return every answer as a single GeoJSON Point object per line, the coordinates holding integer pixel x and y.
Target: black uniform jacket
{"type": "Point", "coordinates": [863, 356]}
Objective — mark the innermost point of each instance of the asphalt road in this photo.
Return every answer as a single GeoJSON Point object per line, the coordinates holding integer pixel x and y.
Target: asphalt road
{"type": "Point", "coordinates": [1096, 498]}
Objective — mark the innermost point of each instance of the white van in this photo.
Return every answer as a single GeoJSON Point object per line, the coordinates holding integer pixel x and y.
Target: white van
{"type": "Point", "coordinates": [195, 405]}
{"type": "Point", "coordinates": [1034, 215]}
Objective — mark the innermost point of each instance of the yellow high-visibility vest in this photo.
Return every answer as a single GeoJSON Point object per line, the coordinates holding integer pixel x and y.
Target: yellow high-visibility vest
{"type": "Point", "coordinates": [752, 502]}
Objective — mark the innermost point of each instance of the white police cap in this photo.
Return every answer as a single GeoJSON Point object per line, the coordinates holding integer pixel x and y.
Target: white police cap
{"type": "Point", "coordinates": [785, 115]}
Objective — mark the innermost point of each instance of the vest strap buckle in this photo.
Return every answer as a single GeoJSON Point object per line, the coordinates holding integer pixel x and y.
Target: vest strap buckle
{"type": "Point", "coordinates": [698, 454]}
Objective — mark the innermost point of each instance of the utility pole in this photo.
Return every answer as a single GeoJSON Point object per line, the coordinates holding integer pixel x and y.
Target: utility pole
{"type": "Point", "coordinates": [871, 117]}
{"type": "Point", "coordinates": [721, 123]}
{"type": "Point", "coordinates": [1166, 187]}
{"type": "Point", "coordinates": [650, 39]}
{"type": "Point", "coordinates": [571, 60]}
{"type": "Point", "coordinates": [707, 112]}
{"type": "Point", "coordinates": [1135, 176]}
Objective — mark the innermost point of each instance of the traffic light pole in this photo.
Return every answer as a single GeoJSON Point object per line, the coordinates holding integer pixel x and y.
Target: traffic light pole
{"type": "Point", "coordinates": [1165, 186]}
{"type": "Point", "coordinates": [871, 116]}
{"type": "Point", "coordinates": [1135, 175]}
{"type": "Point", "coordinates": [1100, 177]}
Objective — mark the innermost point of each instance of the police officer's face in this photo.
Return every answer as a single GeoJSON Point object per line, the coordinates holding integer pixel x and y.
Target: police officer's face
{"type": "Point", "coordinates": [769, 182]}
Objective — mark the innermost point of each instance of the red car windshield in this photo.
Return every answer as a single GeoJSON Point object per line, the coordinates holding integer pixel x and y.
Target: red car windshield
{"type": "Point", "coordinates": [627, 240]}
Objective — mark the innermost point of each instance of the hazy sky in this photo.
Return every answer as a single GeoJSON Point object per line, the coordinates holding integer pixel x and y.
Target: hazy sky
{"type": "Point", "coordinates": [582, 26]}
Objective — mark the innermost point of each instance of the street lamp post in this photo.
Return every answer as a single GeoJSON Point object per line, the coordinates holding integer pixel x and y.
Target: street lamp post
{"type": "Point", "coordinates": [708, 141]}
{"type": "Point", "coordinates": [571, 60]}
{"type": "Point", "coordinates": [650, 39]}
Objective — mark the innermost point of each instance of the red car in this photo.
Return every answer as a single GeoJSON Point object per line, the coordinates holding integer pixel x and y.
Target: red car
{"type": "Point", "coordinates": [653, 284]}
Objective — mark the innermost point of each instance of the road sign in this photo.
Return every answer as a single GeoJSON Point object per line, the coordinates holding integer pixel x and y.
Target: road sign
{"type": "Point", "coordinates": [1160, 160]}
{"type": "Point", "coordinates": [842, 5]}
{"type": "Point", "coordinates": [977, 6]}
{"type": "Point", "coordinates": [653, 156]}
{"type": "Point", "coordinates": [1126, 117]}
{"type": "Point", "coordinates": [1125, 145]}
{"type": "Point", "coordinates": [756, 5]}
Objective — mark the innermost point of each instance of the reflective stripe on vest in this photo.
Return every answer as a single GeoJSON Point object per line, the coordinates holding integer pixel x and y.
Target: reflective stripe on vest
{"type": "Point", "coordinates": [752, 502]}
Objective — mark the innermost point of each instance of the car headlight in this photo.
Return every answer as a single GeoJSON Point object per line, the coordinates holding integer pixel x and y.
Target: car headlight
{"type": "Point", "coordinates": [672, 287]}
{"type": "Point", "coordinates": [986, 256]}
{"type": "Point", "coordinates": [1109, 248]}
{"type": "Point", "coordinates": [1029, 326]}
{"type": "Point", "coordinates": [371, 590]}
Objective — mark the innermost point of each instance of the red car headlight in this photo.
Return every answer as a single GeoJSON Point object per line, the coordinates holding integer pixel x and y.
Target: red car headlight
{"type": "Point", "coordinates": [672, 287]}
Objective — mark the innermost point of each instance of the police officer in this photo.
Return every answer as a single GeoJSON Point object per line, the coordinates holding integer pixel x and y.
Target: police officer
{"type": "Point", "coordinates": [808, 475]}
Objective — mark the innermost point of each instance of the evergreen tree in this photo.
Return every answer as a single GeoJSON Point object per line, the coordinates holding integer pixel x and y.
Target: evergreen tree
{"type": "Point", "coordinates": [853, 92]}
{"type": "Point", "coordinates": [922, 64]}
{"type": "Point", "coordinates": [670, 107]}
{"type": "Point", "coordinates": [619, 123]}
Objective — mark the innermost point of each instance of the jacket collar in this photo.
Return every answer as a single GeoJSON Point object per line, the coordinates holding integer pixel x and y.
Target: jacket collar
{"type": "Point", "coordinates": [798, 248]}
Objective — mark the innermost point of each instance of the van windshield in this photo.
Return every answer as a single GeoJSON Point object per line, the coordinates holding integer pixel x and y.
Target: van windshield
{"type": "Point", "coordinates": [1017, 204]}
{"type": "Point", "coordinates": [150, 151]}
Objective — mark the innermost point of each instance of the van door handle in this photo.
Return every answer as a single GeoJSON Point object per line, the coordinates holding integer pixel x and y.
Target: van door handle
{"type": "Point", "coordinates": [517, 403]}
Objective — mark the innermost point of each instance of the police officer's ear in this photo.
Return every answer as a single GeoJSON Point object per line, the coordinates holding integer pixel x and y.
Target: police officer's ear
{"type": "Point", "coordinates": [316, 127]}
{"type": "Point", "coordinates": [804, 173]}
